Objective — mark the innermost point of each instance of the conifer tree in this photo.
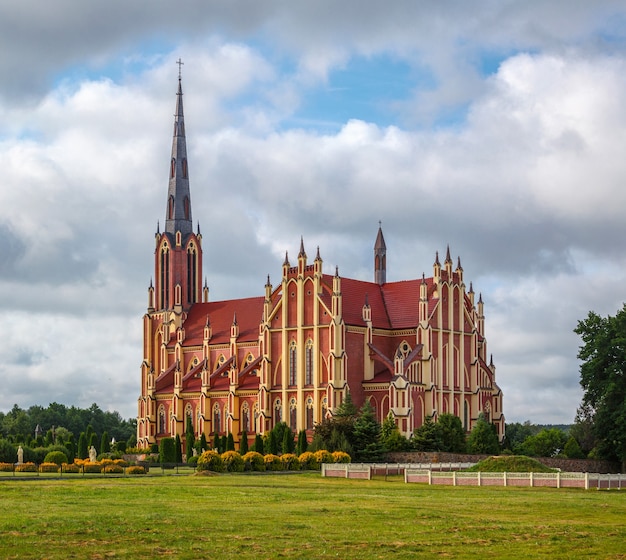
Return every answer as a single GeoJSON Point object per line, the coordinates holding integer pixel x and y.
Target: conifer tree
{"type": "Point", "coordinates": [243, 443]}
{"type": "Point", "coordinates": [272, 443]}
{"type": "Point", "coordinates": [83, 450]}
{"type": "Point", "coordinates": [203, 442]}
{"type": "Point", "coordinates": [179, 450]}
{"type": "Point", "coordinates": [105, 445]}
{"type": "Point", "coordinates": [230, 442]}
{"type": "Point", "coordinates": [483, 438]}
{"type": "Point", "coordinates": [216, 442]}
{"type": "Point", "coordinates": [287, 443]}
{"type": "Point", "coordinates": [258, 444]}
{"type": "Point", "coordinates": [223, 443]}
{"type": "Point", "coordinates": [190, 439]}
{"type": "Point", "coordinates": [302, 445]}
{"type": "Point", "coordinates": [427, 437]}
{"type": "Point", "coordinates": [93, 441]}
{"type": "Point", "coordinates": [367, 444]}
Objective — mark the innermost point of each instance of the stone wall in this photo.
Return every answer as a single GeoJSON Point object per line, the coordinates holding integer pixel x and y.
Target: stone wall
{"type": "Point", "coordinates": [566, 465]}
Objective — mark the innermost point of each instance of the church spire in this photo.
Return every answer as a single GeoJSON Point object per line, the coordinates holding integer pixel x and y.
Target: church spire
{"type": "Point", "coordinates": [178, 211]}
{"type": "Point", "coordinates": [380, 258]}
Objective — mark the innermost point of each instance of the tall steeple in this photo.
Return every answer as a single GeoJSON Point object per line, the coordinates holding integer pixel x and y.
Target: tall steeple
{"type": "Point", "coordinates": [178, 211]}
{"type": "Point", "coordinates": [178, 255]}
{"type": "Point", "coordinates": [380, 258]}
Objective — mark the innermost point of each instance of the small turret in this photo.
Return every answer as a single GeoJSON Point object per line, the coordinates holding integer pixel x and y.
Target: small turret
{"type": "Point", "coordinates": [380, 258]}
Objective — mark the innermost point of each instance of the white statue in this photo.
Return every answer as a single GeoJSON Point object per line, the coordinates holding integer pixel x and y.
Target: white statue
{"type": "Point", "coordinates": [92, 454]}
{"type": "Point", "coordinates": [20, 455]}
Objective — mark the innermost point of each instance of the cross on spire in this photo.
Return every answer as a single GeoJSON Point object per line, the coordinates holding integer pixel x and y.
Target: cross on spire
{"type": "Point", "coordinates": [180, 64]}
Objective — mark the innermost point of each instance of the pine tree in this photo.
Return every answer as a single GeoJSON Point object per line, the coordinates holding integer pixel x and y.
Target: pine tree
{"type": "Point", "coordinates": [427, 437]}
{"type": "Point", "coordinates": [223, 443]}
{"type": "Point", "coordinates": [346, 408]}
{"type": "Point", "coordinates": [243, 443]}
{"type": "Point", "coordinates": [287, 443]}
{"type": "Point", "coordinates": [302, 443]}
{"type": "Point", "coordinates": [179, 450]}
{"type": "Point", "coordinates": [258, 444]}
{"type": "Point", "coordinates": [105, 445]}
{"type": "Point", "coordinates": [190, 439]}
{"type": "Point", "coordinates": [483, 439]}
{"type": "Point", "coordinates": [367, 444]}
{"type": "Point", "coordinates": [83, 449]}
{"type": "Point", "coordinates": [272, 443]}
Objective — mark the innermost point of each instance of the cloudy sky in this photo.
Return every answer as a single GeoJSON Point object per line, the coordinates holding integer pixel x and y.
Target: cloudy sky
{"type": "Point", "coordinates": [497, 127]}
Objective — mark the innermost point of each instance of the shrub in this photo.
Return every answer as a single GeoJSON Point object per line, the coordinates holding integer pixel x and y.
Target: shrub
{"type": "Point", "coordinates": [70, 468]}
{"type": "Point", "coordinates": [49, 467]}
{"type": "Point", "coordinates": [57, 457]}
{"type": "Point", "coordinates": [26, 467]}
{"type": "Point", "coordinates": [136, 469]}
{"type": "Point", "coordinates": [193, 460]}
{"type": "Point", "coordinates": [323, 456]}
{"type": "Point", "coordinates": [341, 457]}
{"type": "Point", "coordinates": [92, 467]}
{"type": "Point", "coordinates": [8, 453]}
{"type": "Point", "coordinates": [210, 461]}
{"type": "Point", "coordinates": [290, 462]}
{"type": "Point", "coordinates": [233, 462]}
{"type": "Point", "coordinates": [113, 469]}
{"type": "Point", "coordinates": [272, 462]}
{"type": "Point", "coordinates": [120, 462]}
{"type": "Point", "coordinates": [6, 467]}
{"type": "Point", "coordinates": [253, 461]}
{"type": "Point", "coordinates": [167, 450]}
{"type": "Point", "coordinates": [307, 461]}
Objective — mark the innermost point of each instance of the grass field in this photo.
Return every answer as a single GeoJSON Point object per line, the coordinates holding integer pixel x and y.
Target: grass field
{"type": "Point", "coordinates": [302, 516]}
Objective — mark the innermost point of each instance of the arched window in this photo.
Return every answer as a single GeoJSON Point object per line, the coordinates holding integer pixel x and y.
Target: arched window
{"type": "Point", "coordinates": [255, 412]}
{"type": "Point", "coordinates": [220, 361]}
{"type": "Point", "coordinates": [308, 366]}
{"type": "Point", "coordinates": [278, 412]}
{"type": "Point", "coordinates": [187, 207]}
{"type": "Point", "coordinates": [184, 168]}
{"type": "Point", "coordinates": [465, 416]}
{"type": "Point", "coordinates": [162, 425]}
{"type": "Point", "coordinates": [293, 414]}
{"type": "Point", "coordinates": [192, 272]}
{"type": "Point", "coordinates": [165, 277]}
{"type": "Point", "coordinates": [217, 419]}
{"type": "Point", "coordinates": [293, 363]}
{"type": "Point", "coordinates": [309, 413]}
{"type": "Point", "coordinates": [188, 415]}
{"type": "Point", "coordinates": [245, 417]}
{"type": "Point", "coordinates": [172, 169]}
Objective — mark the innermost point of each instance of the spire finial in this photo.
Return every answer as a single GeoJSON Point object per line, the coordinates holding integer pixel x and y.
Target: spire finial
{"type": "Point", "coordinates": [180, 63]}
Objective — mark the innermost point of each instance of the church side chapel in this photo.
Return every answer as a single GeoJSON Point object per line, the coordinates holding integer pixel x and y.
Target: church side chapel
{"type": "Point", "coordinates": [415, 348]}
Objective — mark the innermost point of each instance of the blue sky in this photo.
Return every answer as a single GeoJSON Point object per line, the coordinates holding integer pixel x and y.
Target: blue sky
{"type": "Point", "coordinates": [496, 128]}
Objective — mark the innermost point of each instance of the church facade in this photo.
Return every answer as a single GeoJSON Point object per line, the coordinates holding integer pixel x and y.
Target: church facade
{"type": "Point", "coordinates": [415, 348]}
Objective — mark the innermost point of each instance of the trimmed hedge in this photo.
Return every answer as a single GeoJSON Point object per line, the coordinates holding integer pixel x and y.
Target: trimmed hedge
{"type": "Point", "coordinates": [233, 462]}
{"type": "Point", "coordinates": [253, 461]}
{"type": "Point", "coordinates": [57, 457]}
{"type": "Point", "coordinates": [210, 461]}
{"type": "Point", "coordinates": [290, 462]}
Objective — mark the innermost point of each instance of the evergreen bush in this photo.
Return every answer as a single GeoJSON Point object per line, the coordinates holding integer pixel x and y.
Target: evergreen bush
{"type": "Point", "coordinates": [179, 449]}
{"type": "Point", "coordinates": [49, 467]}
{"type": "Point", "coordinates": [136, 469]}
{"type": "Point", "coordinates": [323, 456]}
{"type": "Point", "coordinates": [57, 457]}
{"type": "Point", "coordinates": [83, 451]}
{"type": "Point", "coordinates": [341, 457]}
{"type": "Point", "coordinates": [253, 461]}
{"type": "Point", "coordinates": [290, 462]}
{"type": "Point", "coordinates": [243, 443]}
{"type": "Point", "coordinates": [167, 450]}
{"type": "Point", "coordinates": [307, 461]}
{"type": "Point", "coordinates": [230, 442]}
{"type": "Point", "coordinates": [193, 460]}
{"type": "Point", "coordinates": [8, 453]}
{"type": "Point", "coordinates": [233, 462]}
{"type": "Point", "coordinates": [258, 444]}
{"type": "Point", "coordinates": [210, 461]}
{"type": "Point", "coordinates": [272, 462]}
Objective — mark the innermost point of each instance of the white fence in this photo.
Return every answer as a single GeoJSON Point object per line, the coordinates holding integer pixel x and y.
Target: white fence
{"type": "Point", "coordinates": [448, 474]}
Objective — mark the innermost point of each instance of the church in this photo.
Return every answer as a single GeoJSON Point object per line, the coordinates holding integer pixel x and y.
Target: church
{"type": "Point", "coordinates": [415, 348]}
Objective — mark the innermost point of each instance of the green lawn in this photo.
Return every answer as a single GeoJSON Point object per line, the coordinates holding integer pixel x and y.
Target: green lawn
{"type": "Point", "coordinates": [302, 516]}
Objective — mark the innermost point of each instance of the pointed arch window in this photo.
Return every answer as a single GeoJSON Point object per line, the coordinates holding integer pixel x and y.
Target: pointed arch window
{"type": "Point", "coordinates": [245, 417]}
{"type": "Point", "coordinates": [187, 208]}
{"type": "Point", "coordinates": [170, 208]}
{"type": "Point", "coordinates": [189, 414]}
{"type": "Point", "coordinates": [172, 168]}
{"type": "Point", "coordinates": [255, 413]}
{"type": "Point", "coordinates": [278, 412]}
{"type": "Point", "coordinates": [164, 273]}
{"type": "Point", "coordinates": [192, 274]}
{"type": "Point", "coordinates": [309, 413]}
{"type": "Point", "coordinates": [293, 363]}
{"type": "Point", "coordinates": [293, 414]}
{"type": "Point", "coordinates": [185, 168]}
{"type": "Point", "coordinates": [162, 426]}
{"type": "Point", "coordinates": [217, 419]}
{"type": "Point", "coordinates": [308, 365]}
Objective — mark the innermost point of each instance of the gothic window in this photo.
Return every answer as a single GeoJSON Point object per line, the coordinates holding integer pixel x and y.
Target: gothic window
{"type": "Point", "coordinates": [309, 413]}
{"type": "Point", "coordinates": [278, 413]}
{"type": "Point", "coordinates": [465, 416]}
{"type": "Point", "coordinates": [162, 426]}
{"type": "Point", "coordinates": [245, 417]}
{"type": "Point", "coordinates": [188, 414]}
{"type": "Point", "coordinates": [172, 169]}
{"type": "Point", "coordinates": [192, 272]}
{"type": "Point", "coordinates": [293, 414]}
{"type": "Point", "coordinates": [217, 419]}
{"type": "Point", "coordinates": [255, 412]}
{"type": "Point", "coordinates": [220, 361]}
{"type": "Point", "coordinates": [184, 168]}
{"type": "Point", "coordinates": [187, 207]}
{"type": "Point", "coordinates": [308, 369]}
{"type": "Point", "coordinates": [293, 363]}
{"type": "Point", "coordinates": [165, 277]}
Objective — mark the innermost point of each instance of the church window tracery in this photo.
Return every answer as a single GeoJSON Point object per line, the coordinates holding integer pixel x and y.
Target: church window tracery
{"type": "Point", "coordinates": [245, 417]}
{"type": "Point", "coordinates": [293, 363]}
{"type": "Point", "coordinates": [308, 369]}
{"type": "Point", "coordinates": [162, 425]}
{"type": "Point", "coordinates": [217, 419]}
{"type": "Point", "coordinates": [309, 413]}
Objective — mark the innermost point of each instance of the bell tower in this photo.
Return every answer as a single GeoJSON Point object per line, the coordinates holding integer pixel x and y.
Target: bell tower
{"type": "Point", "coordinates": [178, 253]}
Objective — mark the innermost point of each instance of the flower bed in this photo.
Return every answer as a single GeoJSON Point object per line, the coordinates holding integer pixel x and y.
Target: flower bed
{"type": "Point", "coordinates": [6, 467]}
{"type": "Point", "coordinates": [70, 468]}
{"type": "Point", "coordinates": [49, 468]}
{"type": "Point", "coordinates": [26, 467]}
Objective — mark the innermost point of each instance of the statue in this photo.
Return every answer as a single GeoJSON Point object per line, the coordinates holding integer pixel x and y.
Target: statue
{"type": "Point", "coordinates": [20, 455]}
{"type": "Point", "coordinates": [92, 454]}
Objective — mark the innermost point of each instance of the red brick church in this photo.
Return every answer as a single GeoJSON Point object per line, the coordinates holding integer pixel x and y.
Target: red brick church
{"type": "Point", "coordinates": [415, 348]}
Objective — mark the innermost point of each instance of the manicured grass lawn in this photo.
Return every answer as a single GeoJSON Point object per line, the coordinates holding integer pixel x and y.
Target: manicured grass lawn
{"type": "Point", "coordinates": [302, 516]}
